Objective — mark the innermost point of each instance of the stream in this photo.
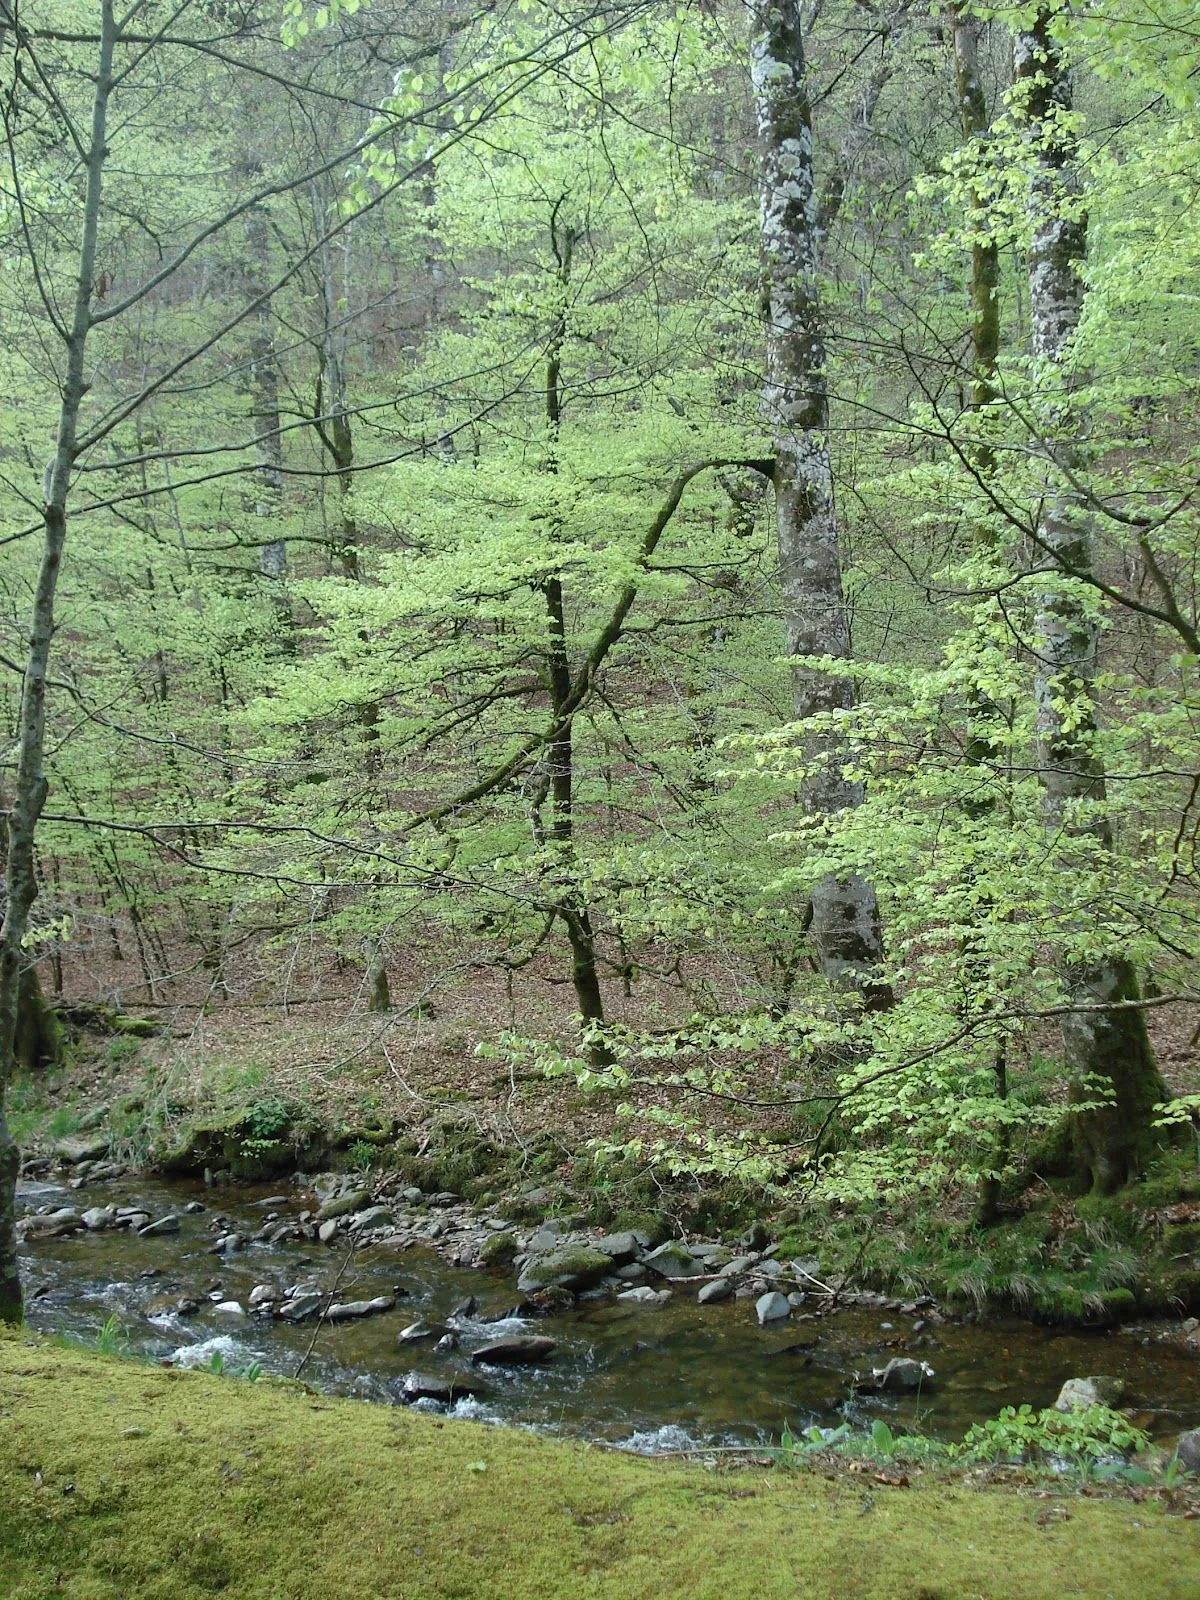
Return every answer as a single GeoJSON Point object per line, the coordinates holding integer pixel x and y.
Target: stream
{"type": "Point", "coordinates": [648, 1378]}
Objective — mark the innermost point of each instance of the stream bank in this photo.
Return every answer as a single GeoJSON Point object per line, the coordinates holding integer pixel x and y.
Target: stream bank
{"type": "Point", "coordinates": [118, 1479]}
{"type": "Point", "coordinates": [654, 1347]}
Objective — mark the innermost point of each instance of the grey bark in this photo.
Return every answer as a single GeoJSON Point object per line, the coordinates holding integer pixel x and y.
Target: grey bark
{"type": "Point", "coordinates": [29, 784]}
{"type": "Point", "coordinates": [264, 406]}
{"type": "Point", "coordinates": [845, 917]}
{"type": "Point", "coordinates": [1107, 1054]}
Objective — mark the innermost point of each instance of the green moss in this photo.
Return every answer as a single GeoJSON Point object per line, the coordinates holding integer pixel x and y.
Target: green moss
{"type": "Point", "coordinates": [498, 1250]}
{"type": "Point", "coordinates": [182, 1486]}
{"type": "Point", "coordinates": [259, 1140]}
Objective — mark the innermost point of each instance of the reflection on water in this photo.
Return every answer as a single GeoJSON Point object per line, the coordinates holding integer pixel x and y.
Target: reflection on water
{"type": "Point", "coordinates": [653, 1378]}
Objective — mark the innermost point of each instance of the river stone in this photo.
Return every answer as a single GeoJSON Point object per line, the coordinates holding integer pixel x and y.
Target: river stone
{"type": "Point", "coordinates": [1095, 1391]}
{"type": "Point", "coordinates": [644, 1295]}
{"type": "Point", "coordinates": [360, 1308]}
{"type": "Point", "coordinates": [621, 1248]}
{"type": "Point", "coordinates": [416, 1331]}
{"type": "Point", "coordinates": [74, 1151]}
{"type": "Point", "coordinates": [163, 1225]}
{"type": "Point", "coordinates": [524, 1351]}
{"type": "Point", "coordinates": [328, 1230]}
{"type": "Point", "coordinates": [903, 1375]}
{"type": "Point", "coordinates": [739, 1264]}
{"type": "Point", "coordinates": [64, 1220]}
{"type": "Point", "coordinates": [421, 1386]}
{"type": "Point", "coordinates": [97, 1218]}
{"type": "Point", "coordinates": [673, 1260]}
{"type": "Point", "coordinates": [261, 1294]}
{"type": "Point", "coordinates": [301, 1306]}
{"type": "Point", "coordinates": [632, 1272]}
{"type": "Point", "coordinates": [771, 1307]}
{"type": "Point", "coordinates": [1187, 1451]}
{"type": "Point", "coordinates": [230, 1308]}
{"type": "Point", "coordinates": [546, 1237]}
{"type": "Point", "coordinates": [372, 1217]}
{"type": "Point", "coordinates": [498, 1250]}
{"type": "Point", "coordinates": [342, 1205]}
{"type": "Point", "coordinates": [571, 1267]}
{"type": "Point", "coordinates": [719, 1289]}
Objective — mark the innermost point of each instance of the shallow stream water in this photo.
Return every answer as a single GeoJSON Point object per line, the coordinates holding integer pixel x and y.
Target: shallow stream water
{"type": "Point", "coordinates": [648, 1378]}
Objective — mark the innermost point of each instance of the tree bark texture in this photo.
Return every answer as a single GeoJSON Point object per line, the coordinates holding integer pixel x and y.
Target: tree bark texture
{"type": "Point", "coordinates": [1108, 1054]}
{"type": "Point", "coordinates": [264, 406]}
{"type": "Point", "coordinates": [29, 785]}
{"type": "Point", "coordinates": [845, 920]}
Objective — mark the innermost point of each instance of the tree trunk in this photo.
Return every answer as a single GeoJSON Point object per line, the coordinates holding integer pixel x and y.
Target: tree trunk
{"type": "Point", "coordinates": [571, 908]}
{"type": "Point", "coordinates": [29, 787]}
{"type": "Point", "coordinates": [845, 916]}
{"type": "Point", "coordinates": [1107, 1053]}
{"type": "Point", "coordinates": [264, 410]}
{"type": "Point", "coordinates": [984, 750]}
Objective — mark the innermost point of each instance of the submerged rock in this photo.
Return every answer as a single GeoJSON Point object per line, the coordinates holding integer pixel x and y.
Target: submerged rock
{"type": "Point", "coordinates": [524, 1351]}
{"type": "Point", "coordinates": [771, 1307]}
{"type": "Point", "coordinates": [64, 1220]}
{"type": "Point", "coordinates": [570, 1267]}
{"type": "Point", "coordinates": [645, 1296]}
{"type": "Point", "coordinates": [164, 1225]}
{"type": "Point", "coordinates": [902, 1375]}
{"type": "Point", "coordinates": [416, 1331]}
{"type": "Point", "coordinates": [1095, 1391]}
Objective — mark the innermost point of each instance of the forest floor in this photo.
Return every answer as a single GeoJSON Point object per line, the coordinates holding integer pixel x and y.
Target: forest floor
{"type": "Point", "coordinates": [422, 1092]}
{"type": "Point", "coordinates": [122, 1480]}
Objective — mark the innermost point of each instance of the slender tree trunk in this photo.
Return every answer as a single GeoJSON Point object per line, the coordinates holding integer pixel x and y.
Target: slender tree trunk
{"type": "Point", "coordinates": [29, 787]}
{"type": "Point", "coordinates": [1108, 1054]}
{"type": "Point", "coordinates": [984, 749]}
{"type": "Point", "coordinates": [571, 909]}
{"type": "Point", "coordinates": [845, 916]}
{"type": "Point", "coordinates": [264, 411]}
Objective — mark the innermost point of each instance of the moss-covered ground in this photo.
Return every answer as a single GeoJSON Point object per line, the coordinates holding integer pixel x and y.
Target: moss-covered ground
{"type": "Point", "coordinates": [119, 1480]}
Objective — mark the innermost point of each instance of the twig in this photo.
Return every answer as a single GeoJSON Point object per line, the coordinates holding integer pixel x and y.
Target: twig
{"type": "Point", "coordinates": [312, 1343]}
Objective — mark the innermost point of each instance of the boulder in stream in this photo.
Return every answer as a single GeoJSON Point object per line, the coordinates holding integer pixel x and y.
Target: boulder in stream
{"type": "Point", "coordinates": [344, 1205]}
{"type": "Point", "coordinates": [1078, 1393]}
{"type": "Point", "coordinates": [524, 1351]}
{"type": "Point", "coordinates": [351, 1310]}
{"type": "Point", "coordinates": [902, 1375]}
{"type": "Point", "coordinates": [423, 1386]}
{"type": "Point", "coordinates": [301, 1306]}
{"type": "Point", "coordinates": [417, 1331]}
{"type": "Point", "coordinates": [644, 1295]}
{"type": "Point", "coordinates": [674, 1260]}
{"type": "Point", "coordinates": [771, 1307]}
{"type": "Point", "coordinates": [163, 1225]}
{"type": "Point", "coordinates": [620, 1248]}
{"type": "Point", "coordinates": [93, 1147]}
{"type": "Point", "coordinates": [569, 1267]}
{"type": "Point", "coordinates": [97, 1218]}
{"type": "Point", "coordinates": [719, 1289]}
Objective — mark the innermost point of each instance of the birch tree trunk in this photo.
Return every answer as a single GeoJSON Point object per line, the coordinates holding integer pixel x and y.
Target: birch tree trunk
{"type": "Point", "coordinates": [29, 785]}
{"type": "Point", "coordinates": [1107, 1053]}
{"type": "Point", "coordinates": [845, 916]}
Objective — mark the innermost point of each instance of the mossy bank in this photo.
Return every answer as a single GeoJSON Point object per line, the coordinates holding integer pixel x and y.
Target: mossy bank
{"type": "Point", "coordinates": [119, 1480]}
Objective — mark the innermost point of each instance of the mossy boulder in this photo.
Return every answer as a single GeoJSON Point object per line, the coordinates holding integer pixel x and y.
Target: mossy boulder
{"type": "Point", "coordinates": [498, 1250]}
{"type": "Point", "coordinates": [569, 1267]}
{"type": "Point", "coordinates": [263, 1139]}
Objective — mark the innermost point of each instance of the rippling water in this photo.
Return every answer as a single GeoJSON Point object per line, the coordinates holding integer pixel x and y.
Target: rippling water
{"type": "Point", "coordinates": [649, 1378]}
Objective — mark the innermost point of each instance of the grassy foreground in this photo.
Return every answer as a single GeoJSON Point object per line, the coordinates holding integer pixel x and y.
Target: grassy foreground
{"type": "Point", "coordinates": [120, 1480]}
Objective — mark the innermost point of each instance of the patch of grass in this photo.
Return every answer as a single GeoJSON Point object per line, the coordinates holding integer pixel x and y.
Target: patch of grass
{"type": "Point", "coordinates": [160, 1485]}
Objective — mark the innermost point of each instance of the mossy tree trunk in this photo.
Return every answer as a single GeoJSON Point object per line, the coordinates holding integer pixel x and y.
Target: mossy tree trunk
{"type": "Point", "coordinates": [1107, 1051]}
{"type": "Point", "coordinates": [845, 918]}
